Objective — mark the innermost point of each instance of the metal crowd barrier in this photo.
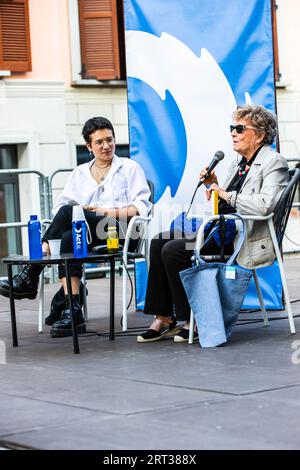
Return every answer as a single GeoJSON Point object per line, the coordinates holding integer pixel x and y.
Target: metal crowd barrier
{"type": "Point", "coordinates": [50, 186]}
{"type": "Point", "coordinates": [297, 160]}
{"type": "Point", "coordinates": [43, 194]}
{"type": "Point", "coordinates": [43, 186]}
{"type": "Point", "coordinates": [46, 205]}
{"type": "Point", "coordinates": [296, 204]}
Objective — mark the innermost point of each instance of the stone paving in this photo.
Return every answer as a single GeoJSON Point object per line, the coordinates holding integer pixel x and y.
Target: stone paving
{"type": "Point", "coordinates": [123, 395]}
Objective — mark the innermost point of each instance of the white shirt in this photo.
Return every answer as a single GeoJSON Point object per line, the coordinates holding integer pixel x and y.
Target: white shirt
{"type": "Point", "coordinates": [125, 185]}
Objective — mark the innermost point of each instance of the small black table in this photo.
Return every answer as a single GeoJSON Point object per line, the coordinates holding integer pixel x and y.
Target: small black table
{"type": "Point", "coordinates": [66, 259]}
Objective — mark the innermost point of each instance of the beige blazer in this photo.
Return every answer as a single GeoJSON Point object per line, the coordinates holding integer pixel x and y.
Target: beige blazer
{"type": "Point", "coordinates": [261, 190]}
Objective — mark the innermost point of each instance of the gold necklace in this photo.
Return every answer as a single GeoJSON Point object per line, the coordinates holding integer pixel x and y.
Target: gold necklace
{"type": "Point", "coordinates": [104, 166]}
{"type": "Point", "coordinates": [98, 170]}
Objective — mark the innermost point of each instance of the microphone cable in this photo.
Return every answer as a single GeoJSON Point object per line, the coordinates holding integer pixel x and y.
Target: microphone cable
{"type": "Point", "coordinates": [192, 200]}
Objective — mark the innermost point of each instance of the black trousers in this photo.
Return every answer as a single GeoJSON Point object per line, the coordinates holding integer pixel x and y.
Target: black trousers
{"type": "Point", "coordinates": [61, 227]}
{"type": "Point", "coordinates": [168, 256]}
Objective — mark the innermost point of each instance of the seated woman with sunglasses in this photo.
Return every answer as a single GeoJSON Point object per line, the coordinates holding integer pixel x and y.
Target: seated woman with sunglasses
{"type": "Point", "coordinates": [254, 184]}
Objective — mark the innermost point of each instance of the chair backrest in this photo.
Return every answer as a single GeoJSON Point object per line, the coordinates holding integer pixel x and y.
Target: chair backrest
{"type": "Point", "coordinates": [151, 198]}
{"type": "Point", "coordinates": [281, 211]}
{"type": "Point", "coordinates": [142, 228]}
{"type": "Point", "coordinates": [284, 205]}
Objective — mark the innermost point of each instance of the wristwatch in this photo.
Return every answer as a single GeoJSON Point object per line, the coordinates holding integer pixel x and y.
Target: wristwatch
{"type": "Point", "coordinates": [231, 198]}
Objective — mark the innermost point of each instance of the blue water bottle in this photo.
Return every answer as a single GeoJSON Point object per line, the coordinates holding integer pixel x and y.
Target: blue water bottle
{"type": "Point", "coordinates": [79, 232]}
{"type": "Point", "coordinates": [34, 237]}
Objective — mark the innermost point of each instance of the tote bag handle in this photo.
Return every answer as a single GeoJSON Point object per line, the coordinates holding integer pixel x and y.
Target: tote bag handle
{"type": "Point", "coordinates": [242, 235]}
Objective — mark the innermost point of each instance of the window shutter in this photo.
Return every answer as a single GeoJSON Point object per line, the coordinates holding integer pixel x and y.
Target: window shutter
{"type": "Point", "coordinates": [99, 39]}
{"type": "Point", "coordinates": [15, 54]}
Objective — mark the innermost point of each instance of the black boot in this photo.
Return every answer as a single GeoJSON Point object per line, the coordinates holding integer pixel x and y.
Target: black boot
{"type": "Point", "coordinates": [58, 304]}
{"type": "Point", "coordinates": [63, 327]}
{"type": "Point", "coordinates": [25, 284]}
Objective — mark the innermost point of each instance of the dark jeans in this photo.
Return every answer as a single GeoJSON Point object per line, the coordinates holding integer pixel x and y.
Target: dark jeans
{"type": "Point", "coordinates": [168, 256]}
{"type": "Point", "coordinates": [61, 227]}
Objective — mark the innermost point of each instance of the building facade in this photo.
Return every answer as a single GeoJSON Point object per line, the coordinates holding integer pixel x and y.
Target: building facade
{"type": "Point", "coordinates": [52, 79]}
{"type": "Point", "coordinates": [62, 62]}
{"type": "Point", "coordinates": [288, 99]}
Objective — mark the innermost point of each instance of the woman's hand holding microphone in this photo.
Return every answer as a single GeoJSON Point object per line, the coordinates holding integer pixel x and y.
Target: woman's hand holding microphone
{"type": "Point", "coordinates": [211, 184]}
{"type": "Point", "coordinates": [210, 181]}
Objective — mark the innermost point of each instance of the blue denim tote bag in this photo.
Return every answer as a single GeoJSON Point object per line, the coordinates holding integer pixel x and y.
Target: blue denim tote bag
{"type": "Point", "coordinates": [215, 292]}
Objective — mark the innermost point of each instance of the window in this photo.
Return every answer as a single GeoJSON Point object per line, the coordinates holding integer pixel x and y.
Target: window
{"type": "Point", "coordinates": [102, 39]}
{"type": "Point", "coordinates": [15, 54]}
{"type": "Point", "coordinates": [10, 238]}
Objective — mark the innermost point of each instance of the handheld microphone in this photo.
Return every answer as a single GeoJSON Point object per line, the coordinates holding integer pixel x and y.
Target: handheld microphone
{"type": "Point", "coordinates": [218, 156]}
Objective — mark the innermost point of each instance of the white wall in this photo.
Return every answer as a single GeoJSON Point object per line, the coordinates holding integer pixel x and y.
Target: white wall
{"type": "Point", "coordinates": [83, 103]}
{"type": "Point", "coordinates": [45, 120]}
{"type": "Point", "coordinates": [288, 97]}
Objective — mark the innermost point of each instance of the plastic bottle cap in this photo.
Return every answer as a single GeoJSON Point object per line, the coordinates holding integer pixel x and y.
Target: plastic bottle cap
{"type": "Point", "coordinates": [112, 228]}
{"type": "Point", "coordinates": [33, 217]}
{"type": "Point", "coordinates": [77, 214]}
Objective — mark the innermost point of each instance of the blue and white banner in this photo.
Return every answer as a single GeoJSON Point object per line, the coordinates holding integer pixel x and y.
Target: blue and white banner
{"type": "Point", "coordinates": [189, 64]}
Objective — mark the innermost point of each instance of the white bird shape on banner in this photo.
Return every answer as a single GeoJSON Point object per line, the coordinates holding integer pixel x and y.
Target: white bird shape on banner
{"type": "Point", "coordinates": [205, 101]}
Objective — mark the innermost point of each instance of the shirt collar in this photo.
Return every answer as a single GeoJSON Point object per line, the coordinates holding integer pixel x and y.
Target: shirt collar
{"type": "Point", "coordinates": [116, 163]}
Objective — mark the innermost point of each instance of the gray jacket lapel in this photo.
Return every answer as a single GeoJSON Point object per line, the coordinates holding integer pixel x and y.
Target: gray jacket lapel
{"type": "Point", "coordinates": [256, 164]}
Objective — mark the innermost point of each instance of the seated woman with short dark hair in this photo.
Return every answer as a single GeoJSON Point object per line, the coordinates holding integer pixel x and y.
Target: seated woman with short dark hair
{"type": "Point", "coordinates": [107, 186]}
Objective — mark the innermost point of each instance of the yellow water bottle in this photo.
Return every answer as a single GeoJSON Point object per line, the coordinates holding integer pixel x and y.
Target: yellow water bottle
{"type": "Point", "coordinates": [215, 202]}
{"type": "Point", "coordinates": [112, 240]}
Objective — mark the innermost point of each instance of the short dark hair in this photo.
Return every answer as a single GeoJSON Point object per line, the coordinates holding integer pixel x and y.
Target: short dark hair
{"type": "Point", "coordinates": [93, 125]}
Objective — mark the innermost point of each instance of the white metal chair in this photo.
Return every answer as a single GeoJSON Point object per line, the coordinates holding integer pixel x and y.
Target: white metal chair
{"type": "Point", "coordinates": [277, 222]}
{"type": "Point", "coordinates": [141, 251]}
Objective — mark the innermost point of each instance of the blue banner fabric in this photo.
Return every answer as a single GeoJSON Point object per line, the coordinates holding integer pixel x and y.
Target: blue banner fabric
{"type": "Point", "coordinates": [141, 278]}
{"type": "Point", "coordinates": [271, 288]}
{"type": "Point", "coordinates": [189, 64]}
